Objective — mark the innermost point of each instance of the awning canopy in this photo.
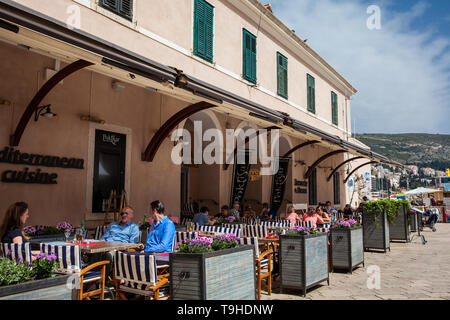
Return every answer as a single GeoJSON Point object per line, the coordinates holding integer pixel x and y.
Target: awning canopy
{"type": "Point", "coordinates": [15, 16]}
{"type": "Point", "coordinates": [421, 190]}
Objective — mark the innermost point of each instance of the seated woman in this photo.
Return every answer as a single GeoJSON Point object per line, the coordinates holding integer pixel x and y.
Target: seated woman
{"type": "Point", "coordinates": [292, 215]}
{"type": "Point", "coordinates": [11, 230]}
{"type": "Point", "coordinates": [312, 216]}
{"type": "Point", "coordinates": [325, 217]}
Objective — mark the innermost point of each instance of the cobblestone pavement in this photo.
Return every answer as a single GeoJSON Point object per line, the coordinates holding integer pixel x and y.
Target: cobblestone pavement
{"type": "Point", "coordinates": [408, 271]}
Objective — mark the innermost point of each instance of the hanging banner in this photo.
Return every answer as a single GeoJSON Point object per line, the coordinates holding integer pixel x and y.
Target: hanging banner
{"type": "Point", "coordinates": [240, 180]}
{"type": "Point", "coordinates": [279, 185]}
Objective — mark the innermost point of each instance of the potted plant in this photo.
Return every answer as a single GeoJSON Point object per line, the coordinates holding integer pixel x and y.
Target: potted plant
{"type": "Point", "coordinates": [47, 233]}
{"type": "Point", "coordinates": [38, 281]}
{"type": "Point", "coordinates": [212, 269]}
{"type": "Point", "coordinates": [303, 257]}
{"type": "Point", "coordinates": [347, 249]}
{"type": "Point", "coordinates": [400, 227]}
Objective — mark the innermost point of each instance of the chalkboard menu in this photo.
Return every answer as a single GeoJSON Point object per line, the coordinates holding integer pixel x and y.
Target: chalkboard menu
{"type": "Point", "coordinates": [240, 179]}
{"type": "Point", "coordinates": [279, 184]}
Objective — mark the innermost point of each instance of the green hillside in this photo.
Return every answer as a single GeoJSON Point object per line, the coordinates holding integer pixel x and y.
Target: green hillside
{"type": "Point", "coordinates": [424, 150]}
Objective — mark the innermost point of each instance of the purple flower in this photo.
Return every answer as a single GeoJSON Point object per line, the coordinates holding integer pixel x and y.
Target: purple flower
{"type": "Point", "coordinates": [52, 257]}
{"type": "Point", "coordinates": [64, 226]}
{"type": "Point", "coordinates": [230, 219]}
{"type": "Point", "coordinates": [227, 238]}
{"type": "Point", "coordinates": [200, 241]}
{"type": "Point", "coordinates": [29, 230]}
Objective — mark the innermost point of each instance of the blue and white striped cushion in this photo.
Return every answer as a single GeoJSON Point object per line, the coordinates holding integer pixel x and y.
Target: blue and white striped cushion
{"type": "Point", "coordinates": [182, 236]}
{"type": "Point", "coordinates": [17, 252]}
{"type": "Point", "coordinates": [256, 231]}
{"type": "Point", "coordinates": [69, 257]}
{"type": "Point", "coordinates": [100, 231]}
{"type": "Point", "coordinates": [253, 241]}
{"type": "Point", "coordinates": [235, 231]}
{"type": "Point", "coordinates": [135, 268]}
{"type": "Point", "coordinates": [308, 224]}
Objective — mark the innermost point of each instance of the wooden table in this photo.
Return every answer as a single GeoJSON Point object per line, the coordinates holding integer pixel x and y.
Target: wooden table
{"type": "Point", "coordinates": [107, 246]}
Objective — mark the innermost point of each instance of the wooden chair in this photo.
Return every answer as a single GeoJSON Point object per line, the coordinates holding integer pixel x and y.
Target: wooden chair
{"type": "Point", "coordinates": [138, 274]}
{"type": "Point", "coordinates": [17, 252]}
{"type": "Point", "coordinates": [69, 258]}
{"type": "Point", "coordinates": [263, 264]}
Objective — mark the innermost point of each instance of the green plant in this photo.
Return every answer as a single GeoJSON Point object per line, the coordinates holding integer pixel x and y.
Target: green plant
{"type": "Point", "coordinates": [391, 207]}
{"type": "Point", "coordinates": [44, 266]}
{"type": "Point", "coordinates": [12, 272]}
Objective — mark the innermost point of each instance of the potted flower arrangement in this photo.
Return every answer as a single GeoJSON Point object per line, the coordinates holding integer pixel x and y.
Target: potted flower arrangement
{"type": "Point", "coordinates": [47, 233]}
{"type": "Point", "coordinates": [212, 269]}
{"type": "Point", "coordinates": [37, 281]}
{"type": "Point", "coordinates": [347, 249]}
{"type": "Point", "coordinates": [400, 229]}
{"type": "Point", "coordinates": [303, 257]}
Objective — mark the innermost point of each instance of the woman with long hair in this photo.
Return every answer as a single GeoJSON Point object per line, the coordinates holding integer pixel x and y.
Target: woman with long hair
{"type": "Point", "coordinates": [312, 215]}
{"type": "Point", "coordinates": [11, 229]}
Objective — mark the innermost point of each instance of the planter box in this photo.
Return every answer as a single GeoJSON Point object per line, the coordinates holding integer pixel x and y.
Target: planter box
{"type": "Point", "coordinates": [399, 230]}
{"type": "Point", "coordinates": [221, 275]}
{"type": "Point", "coordinates": [303, 261]}
{"type": "Point", "coordinates": [46, 289]}
{"type": "Point", "coordinates": [347, 249]}
{"type": "Point", "coordinates": [37, 240]}
{"type": "Point", "coordinates": [376, 237]}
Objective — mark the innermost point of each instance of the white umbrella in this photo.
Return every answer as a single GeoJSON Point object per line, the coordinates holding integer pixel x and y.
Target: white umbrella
{"type": "Point", "coordinates": [420, 190]}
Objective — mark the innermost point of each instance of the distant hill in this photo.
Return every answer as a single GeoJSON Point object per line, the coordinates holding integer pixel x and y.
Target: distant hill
{"type": "Point", "coordinates": [423, 150]}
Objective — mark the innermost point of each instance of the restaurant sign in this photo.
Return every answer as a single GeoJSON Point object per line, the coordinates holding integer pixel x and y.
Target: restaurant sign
{"type": "Point", "coordinates": [279, 184]}
{"type": "Point", "coordinates": [240, 180]}
{"type": "Point", "coordinates": [9, 155]}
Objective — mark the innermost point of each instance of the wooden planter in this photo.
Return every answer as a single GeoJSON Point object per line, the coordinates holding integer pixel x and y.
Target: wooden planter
{"type": "Point", "coordinates": [303, 261]}
{"type": "Point", "coordinates": [376, 237]}
{"type": "Point", "coordinates": [400, 230]}
{"type": "Point", "coordinates": [221, 275]}
{"type": "Point", "coordinates": [347, 249]}
{"type": "Point", "coordinates": [46, 289]}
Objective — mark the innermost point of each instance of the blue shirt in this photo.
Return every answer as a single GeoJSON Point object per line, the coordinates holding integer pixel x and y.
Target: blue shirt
{"type": "Point", "coordinates": [117, 232]}
{"type": "Point", "coordinates": [201, 218]}
{"type": "Point", "coordinates": [161, 236]}
{"type": "Point", "coordinates": [272, 214]}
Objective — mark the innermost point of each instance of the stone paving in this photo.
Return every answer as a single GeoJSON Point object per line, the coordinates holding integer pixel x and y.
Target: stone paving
{"type": "Point", "coordinates": [408, 271]}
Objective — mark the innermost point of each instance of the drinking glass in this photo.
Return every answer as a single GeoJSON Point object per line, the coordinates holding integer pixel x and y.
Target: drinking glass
{"type": "Point", "coordinates": [79, 236]}
{"type": "Point", "coordinates": [67, 233]}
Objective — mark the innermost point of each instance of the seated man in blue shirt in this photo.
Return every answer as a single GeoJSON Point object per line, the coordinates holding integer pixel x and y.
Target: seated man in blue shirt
{"type": "Point", "coordinates": [202, 218]}
{"type": "Point", "coordinates": [162, 232]}
{"type": "Point", "coordinates": [124, 231]}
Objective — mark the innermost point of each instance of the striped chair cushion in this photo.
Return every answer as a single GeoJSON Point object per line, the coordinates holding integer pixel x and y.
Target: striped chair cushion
{"type": "Point", "coordinates": [182, 236]}
{"type": "Point", "coordinates": [285, 224]}
{"type": "Point", "coordinates": [137, 270]}
{"type": "Point", "coordinates": [100, 231]}
{"type": "Point", "coordinates": [252, 241]}
{"type": "Point", "coordinates": [235, 231]}
{"type": "Point", "coordinates": [69, 257]}
{"type": "Point", "coordinates": [324, 227]}
{"type": "Point", "coordinates": [205, 228]}
{"type": "Point", "coordinates": [308, 224]}
{"type": "Point", "coordinates": [17, 252]}
{"type": "Point", "coordinates": [256, 231]}
{"type": "Point", "coordinates": [271, 224]}
{"type": "Point", "coordinates": [225, 225]}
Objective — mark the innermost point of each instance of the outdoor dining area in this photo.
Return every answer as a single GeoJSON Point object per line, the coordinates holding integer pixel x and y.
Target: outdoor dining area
{"type": "Point", "coordinates": [225, 259]}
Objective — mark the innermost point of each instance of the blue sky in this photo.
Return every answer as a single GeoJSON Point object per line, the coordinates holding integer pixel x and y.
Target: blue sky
{"type": "Point", "coordinates": [401, 71]}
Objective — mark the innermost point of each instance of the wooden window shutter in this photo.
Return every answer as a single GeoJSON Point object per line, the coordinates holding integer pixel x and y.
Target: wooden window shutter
{"type": "Point", "coordinates": [311, 93]}
{"type": "Point", "coordinates": [282, 75]}
{"type": "Point", "coordinates": [249, 56]}
{"type": "Point", "coordinates": [334, 108]}
{"type": "Point", "coordinates": [203, 30]}
{"type": "Point", "coordinates": [111, 4]}
{"type": "Point", "coordinates": [126, 8]}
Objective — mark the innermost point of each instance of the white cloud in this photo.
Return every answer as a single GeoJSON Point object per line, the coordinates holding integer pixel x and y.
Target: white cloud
{"type": "Point", "coordinates": [402, 76]}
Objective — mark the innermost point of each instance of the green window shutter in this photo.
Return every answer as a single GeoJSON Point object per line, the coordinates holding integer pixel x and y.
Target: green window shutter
{"type": "Point", "coordinates": [249, 57]}
{"type": "Point", "coordinates": [312, 188]}
{"type": "Point", "coordinates": [282, 73]}
{"type": "Point", "coordinates": [311, 93]}
{"type": "Point", "coordinates": [203, 30]}
{"type": "Point", "coordinates": [337, 188]}
{"type": "Point", "coordinates": [334, 108]}
{"type": "Point", "coordinates": [123, 8]}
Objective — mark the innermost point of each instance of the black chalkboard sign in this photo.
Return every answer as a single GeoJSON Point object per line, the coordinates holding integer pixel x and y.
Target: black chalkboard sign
{"type": "Point", "coordinates": [279, 184]}
{"type": "Point", "coordinates": [240, 180]}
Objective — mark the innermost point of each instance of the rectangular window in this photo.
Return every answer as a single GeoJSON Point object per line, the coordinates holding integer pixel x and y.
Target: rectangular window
{"type": "Point", "coordinates": [123, 8]}
{"type": "Point", "coordinates": [282, 72]}
{"type": "Point", "coordinates": [249, 57]}
{"type": "Point", "coordinates": [109, 167]}
{"type": "Point", "coordinates": [334, 108]}
{"type": "Point", "coordinates": [312, 188]}
{"type": "Point", "coordinates": [203, 30]}
{"type": "Point", "coordinates": [311, 93]}
{"type": "Point", "coordinates": [337, 188]}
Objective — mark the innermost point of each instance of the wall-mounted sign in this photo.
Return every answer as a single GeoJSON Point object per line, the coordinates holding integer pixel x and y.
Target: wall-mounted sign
{"type": "Point", "coordinates": [240, 180]}
{"type": "Point", "coordinates": [279, 184]}
{"type": "Point", "coordinates": [9, 155]}
{"type": "Point", "coordinates": [254, 175]}
{"type": "Point", "coordinates": [300, 183]}
{"type": "Point", "coordinates": [111, 138]}
{"type": "Point", "coordinates": [300, 190]}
